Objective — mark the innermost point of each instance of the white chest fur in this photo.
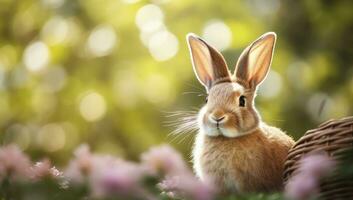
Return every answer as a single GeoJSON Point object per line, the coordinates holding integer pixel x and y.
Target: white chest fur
{"type": "Point", "coordinates": [214, 166]}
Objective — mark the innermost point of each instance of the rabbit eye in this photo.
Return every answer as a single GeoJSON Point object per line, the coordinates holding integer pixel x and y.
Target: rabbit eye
{"type": "Point", "coordinates": [242, 101]}
{"type": "Point", "coordinates": [206, 100]}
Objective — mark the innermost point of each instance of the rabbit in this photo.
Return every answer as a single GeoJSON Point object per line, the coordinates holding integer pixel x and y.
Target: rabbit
{"type": "Point", "coordinates": [234, 149]}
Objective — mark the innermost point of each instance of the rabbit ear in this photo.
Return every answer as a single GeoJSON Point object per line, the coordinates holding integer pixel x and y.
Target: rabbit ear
{"type": "Point", "coordinates": [255, 61]}
{"type": "Point", "coordinates": [209, 65]}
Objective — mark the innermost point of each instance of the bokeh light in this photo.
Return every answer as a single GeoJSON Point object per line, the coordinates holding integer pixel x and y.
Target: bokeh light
{"type": "Point", "coordinates": [300, 74]}
{"type": "Point", "coordinates": [271, 86]}
{"type": "Point", "coordinates": [43, 103]}
{"type": "Point", "coordinates": [319, 106]}
{"type": "Point", "coordinates": [92, 106]}
{"type": "Point", "coordinates": [2, 78]}
{"type": "Point", "coordinates": [56, 30]}
{"type": "Point", "coordinates": [53, 3]}
{"type": "Point", "coordinates": [54, 79]}
{"type": "Point", "coordinates": [51, 137]}
{"type": "Point", "coordinates": [130, 1]}
{"type": "Point", "coordinates": [126, 89]}
{"type": "Point", "coordinates": [18, 78]}
{"type": "Point", "coordinates": [157, 89]}
{"type": "Point", "coordinates": [102, 40]}
{"type": "Point", "coordinates": [264, 8]}
{"type": "Point", "coordinates": [163, 45]}
{"type": "Point", "coordinates": [18, 134]}
{"type": "Point", "coordinates": [218, 34]}
{"type": "Point", "coordinates": [146, 36]}
{"type": "Point", "coordinates": [149, 18]}
{"type": "Point", "coordinates": [36, 56]}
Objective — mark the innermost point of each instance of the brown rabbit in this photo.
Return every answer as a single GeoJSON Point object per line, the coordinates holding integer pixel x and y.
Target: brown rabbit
{"type": "Point", "coordinates": [234, 149]}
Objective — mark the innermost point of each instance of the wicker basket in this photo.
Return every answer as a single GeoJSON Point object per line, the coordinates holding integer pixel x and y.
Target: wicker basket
{"type": "Point", "coordinates": [334, 137]}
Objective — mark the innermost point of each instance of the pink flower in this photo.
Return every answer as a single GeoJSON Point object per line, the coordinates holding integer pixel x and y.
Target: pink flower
{"type": "Point", "coordinates": [106, 176]}
{"type": "Point", "coordinates": [114, 177]}
{"type": "Point", "coordinates": [305, 184]}
{"type": "Point", "coordinates": [302, 187]}
{"type": "Point", "coordinates": [187, 186]}
{"type": "Point", "coordinates": [179, 181]}
{"type": "Point", "coordinates": [118, 181]}
{"type": "Point", "coordinates": [45, 169]}
{"type": "Point", "coordinates": [163, 159]}
{"type": "Point", "coordinates": [318, 164]}
{"type": "Point", "coordinates": [14, 163]}
{"type": "Point", "coordinates": [81, 165]}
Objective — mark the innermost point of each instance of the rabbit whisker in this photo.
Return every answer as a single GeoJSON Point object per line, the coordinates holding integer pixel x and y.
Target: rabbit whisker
{"type": "Point", "coordinates": [184, 123]}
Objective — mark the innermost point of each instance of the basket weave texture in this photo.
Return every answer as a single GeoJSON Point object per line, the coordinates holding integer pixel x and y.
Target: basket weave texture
{"type": "Point", "coordinates": [334, 137]}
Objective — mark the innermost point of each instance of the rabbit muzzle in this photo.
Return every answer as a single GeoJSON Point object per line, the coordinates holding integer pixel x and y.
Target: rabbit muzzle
{"type": "Point", "coordinates": [219, 123]}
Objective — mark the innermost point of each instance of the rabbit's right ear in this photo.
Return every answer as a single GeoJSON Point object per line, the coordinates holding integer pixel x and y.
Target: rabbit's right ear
{"type": "Point", "coordinates": [209, 65]}
{"type": "Point", "coordinates": [255, 61]}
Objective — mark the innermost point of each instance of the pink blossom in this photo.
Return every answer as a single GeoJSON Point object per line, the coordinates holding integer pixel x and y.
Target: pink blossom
{"type": "Point", "coordinates": [106, 176]}
{"type": "Point", "coordinates": [187, 186]}
{"type": "Point", "coordinates": [179, 181]}
{"type": "Point", "coordinates": [110, 177]}
{"type": "Point", "coordinates": [318, 164]}
{"type": "Point", "coordinates": [118, 181]}
{"type": "Point", "coordinates": [14, 163]}
{"type": "Point", "coordinates": [163, 159]}
{"type": "Point", "coordinates": [81, 165]}
{"type": "Point", "coordinates": [305, 184]}
{"type": "Point", "coordinates": [302, 187]}
{"type": "Point", "coordinates": [45, 169]}
{"type": "Point", "coordinates": [122, 180]}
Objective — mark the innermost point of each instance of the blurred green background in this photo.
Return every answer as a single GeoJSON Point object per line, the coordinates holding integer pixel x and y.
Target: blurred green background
{"type": "Point", "coordinates": [108, 72]}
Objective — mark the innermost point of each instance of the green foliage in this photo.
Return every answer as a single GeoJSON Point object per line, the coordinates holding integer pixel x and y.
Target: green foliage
{"type": "Point", "coordinates": [257, 197]}
{"type": "Point", "coordinates": [45, 189]}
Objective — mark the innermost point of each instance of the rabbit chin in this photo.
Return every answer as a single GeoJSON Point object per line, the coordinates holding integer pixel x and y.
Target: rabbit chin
{"type": "Point", "coordinates": [226, 132]}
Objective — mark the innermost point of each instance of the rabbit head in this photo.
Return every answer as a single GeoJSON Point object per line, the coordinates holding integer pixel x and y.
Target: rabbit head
{"type": "Point", "coordinates": [230, 109]}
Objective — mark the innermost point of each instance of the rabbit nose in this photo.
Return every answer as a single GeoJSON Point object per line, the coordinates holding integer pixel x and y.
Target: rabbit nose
{"type": "Point", "coordinates": [217, 119]}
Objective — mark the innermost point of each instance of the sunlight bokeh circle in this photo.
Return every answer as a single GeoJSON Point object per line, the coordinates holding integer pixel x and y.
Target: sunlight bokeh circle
{"type": "Point", "coordinates": [163, 45]}
{"type": "Point", "coordinates": [271, 86]}
{"type": "Point", "coordinates": [36, 56]}
{"type": "Point", "coordinates": [149, 18]}
{"type": "Point", "coordinates": [102, 40]}
{"type": "Point", "coordinates": [218, 34]}
{"type": "Point", "coordinates": [92, 106]}
{"type": "Point", "coordinates": [55, 30]}
{"type": "Point", "coordinates": [51, 137]}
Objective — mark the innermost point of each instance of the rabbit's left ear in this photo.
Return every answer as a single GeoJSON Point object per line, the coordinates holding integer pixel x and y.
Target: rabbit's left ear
{"type": "Point", "coordinates": [255, 61]}
{"type": "Point", "coordinates": [209, 65]}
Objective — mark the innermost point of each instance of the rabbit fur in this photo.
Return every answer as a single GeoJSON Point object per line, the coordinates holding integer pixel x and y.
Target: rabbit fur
{"type": "Point", "coordinates": [234, 149]}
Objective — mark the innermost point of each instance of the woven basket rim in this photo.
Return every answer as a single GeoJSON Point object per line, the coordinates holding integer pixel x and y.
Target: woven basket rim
{"type": "Point", "coordinates": [333, 136]}
{"type": "Point", "coordinates": [322, 126]}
